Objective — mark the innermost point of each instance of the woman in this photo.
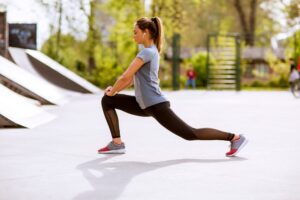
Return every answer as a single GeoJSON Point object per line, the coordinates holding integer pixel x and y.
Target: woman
{"type": "Point", "coordinates": [148, 99]}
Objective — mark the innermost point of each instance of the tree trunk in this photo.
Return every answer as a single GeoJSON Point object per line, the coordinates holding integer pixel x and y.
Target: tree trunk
{"type": "Point", "coordinates": [248, 29]}
{"type": "Point", "coordinates": [58, 35]}
{"type": "Point", "coordinates": [91, 38]}
{"type": "Point", "coordinates": [241, 14]}
{"type": "Point", "coordinates": [252, 22]}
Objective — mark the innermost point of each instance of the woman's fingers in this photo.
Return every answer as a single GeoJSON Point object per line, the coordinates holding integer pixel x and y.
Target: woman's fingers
{"type": "Point", "coordinates": [108, 89]}
{"type": "Point", "coordinates": [109, 93]}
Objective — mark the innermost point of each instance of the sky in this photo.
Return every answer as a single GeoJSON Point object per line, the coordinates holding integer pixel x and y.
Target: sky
{"type": "Point", "coordinates": [27, 11]}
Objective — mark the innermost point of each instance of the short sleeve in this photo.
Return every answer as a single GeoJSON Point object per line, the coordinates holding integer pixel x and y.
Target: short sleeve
{"type": "Point", "coordinates": [145, 54]}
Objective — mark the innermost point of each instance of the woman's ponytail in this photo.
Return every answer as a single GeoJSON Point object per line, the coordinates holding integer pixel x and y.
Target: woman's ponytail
{"type": "Point", "coordinates": [155, 27]}
{"type": "Point", "coordinates": [158, 38]}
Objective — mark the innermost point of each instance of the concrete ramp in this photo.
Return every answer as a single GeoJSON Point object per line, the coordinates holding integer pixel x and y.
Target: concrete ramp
{"type": "Point", "coordinates": [29, 85]}
{"type": "Point", "coordinates": [58, 74]}
{"type": "Point", "coordinates": [18, 111]}
{"type": "Point", "coordinates": [20, 58]}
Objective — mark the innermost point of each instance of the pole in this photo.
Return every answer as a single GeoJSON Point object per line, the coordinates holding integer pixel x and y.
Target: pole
{"type": "Point", "coordinates": [175, 61]}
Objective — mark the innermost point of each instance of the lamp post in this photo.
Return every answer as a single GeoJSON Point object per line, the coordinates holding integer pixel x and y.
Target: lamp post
{"type": "Point", "coordinates": [3, 31]}
{"type": "Point", "coordinates": [176, 61]}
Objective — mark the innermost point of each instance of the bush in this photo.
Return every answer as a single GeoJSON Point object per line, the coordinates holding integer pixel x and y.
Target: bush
{"type": "Point", "coordinates": [257, 83]}
{"type": "Point", "coordinates": [279, 77]}
{"type": "Point", "coordinates": [198, 62]}
{"type": "Point", "coordinates": [279, 82]}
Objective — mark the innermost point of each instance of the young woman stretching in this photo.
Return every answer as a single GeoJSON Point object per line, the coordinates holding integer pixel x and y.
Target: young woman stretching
{"type": "Point", "coordinates": [148, 99]}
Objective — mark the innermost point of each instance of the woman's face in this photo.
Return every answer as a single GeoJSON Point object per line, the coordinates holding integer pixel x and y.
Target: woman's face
{"type": "Point", "coordinates": [138, 35]}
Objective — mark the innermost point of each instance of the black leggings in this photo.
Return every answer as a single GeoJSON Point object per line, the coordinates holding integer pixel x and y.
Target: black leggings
{"type": "Point", "coordinates": [162, 113]}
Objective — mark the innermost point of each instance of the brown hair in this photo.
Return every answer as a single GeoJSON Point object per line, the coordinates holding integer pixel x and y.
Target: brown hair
{"type": "Point", "coordinates": [154, 25]}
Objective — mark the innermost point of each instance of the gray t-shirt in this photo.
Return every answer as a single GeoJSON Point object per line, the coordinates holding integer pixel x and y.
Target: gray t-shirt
{"type": "Point", "coordinates": [146, 82]}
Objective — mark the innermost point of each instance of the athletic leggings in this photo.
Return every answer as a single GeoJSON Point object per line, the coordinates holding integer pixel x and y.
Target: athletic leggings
{"type": "Point", "coordinates": [162, 113]}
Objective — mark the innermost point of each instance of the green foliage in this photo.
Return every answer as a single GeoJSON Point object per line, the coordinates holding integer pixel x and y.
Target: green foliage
{"type": "Point", "coordinates": [296, 46]}
{"type": "Point", "coordinates": [107, 70]}
{"type": "Point", "coordinates": [70, 53]}
{"type": "Point", "coordinates": [279, 77]}
{"type": "Point", "coordinates": [198, 63]}
{"type": "Point", "coordinates": [280, 74]}
{"type": "Point", "coordinates": [293, 51]}
{"type": "Point", "coordinates": [112, 56]}
{"type": "Point", "coordinates": [124, 13]}
{"type": "Point", "coordinates": [293, 9]}
{"type": "Point", "coordinates": [114, 48]}
{"type": "Point", "coordinates": [165, 73]}
{"type": "Point", "coordinates": [115, 55]}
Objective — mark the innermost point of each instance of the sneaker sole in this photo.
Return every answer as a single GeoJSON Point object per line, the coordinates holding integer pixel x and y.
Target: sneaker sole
{"type": "Point", "coordinates": [239, 149]}
{"type": "Point", "coordinates": [119, 151]}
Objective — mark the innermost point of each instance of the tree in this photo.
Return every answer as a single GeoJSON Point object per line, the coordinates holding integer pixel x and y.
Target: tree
{"type": "Point", "coordinates": [290, 22]}
{"type": "Point", "coordinates": [173, 15]}
{"type": "Point", "coordinates": [60, 11]}
{"type": "Point", "coordinates": [248, 23]}
{"type": "Point", "coordinates": [56, 26]}
{"type": "Point", "coordinates": [293, 10]}
{"type": "Point", "coordinates": [93, 35]}
{"type": "Point", "coordinates": [98, 43]}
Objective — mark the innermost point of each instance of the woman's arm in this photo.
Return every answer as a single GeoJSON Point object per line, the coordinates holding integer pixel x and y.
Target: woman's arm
{"type": "Point", "coordinates": [126, 78]}
{"type": "Point", "coordinates": [129, 83]}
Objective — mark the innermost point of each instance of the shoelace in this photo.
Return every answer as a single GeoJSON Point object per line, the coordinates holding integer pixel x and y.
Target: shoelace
{"type": "Point", "coordinates": [232, 143]}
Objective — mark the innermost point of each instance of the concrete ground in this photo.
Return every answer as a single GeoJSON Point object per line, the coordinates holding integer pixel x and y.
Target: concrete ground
{"type": "Point", "coordinates": [58, 160]}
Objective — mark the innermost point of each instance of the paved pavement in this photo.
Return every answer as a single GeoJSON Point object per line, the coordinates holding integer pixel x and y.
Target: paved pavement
{"type": "Point", "coordinates": [58, 160]}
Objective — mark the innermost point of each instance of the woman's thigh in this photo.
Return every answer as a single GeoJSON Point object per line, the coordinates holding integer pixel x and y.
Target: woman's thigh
{"type": "Point", "coordinates": [126, 103]}
{"type": "Point", "coordinates": [167, 118]}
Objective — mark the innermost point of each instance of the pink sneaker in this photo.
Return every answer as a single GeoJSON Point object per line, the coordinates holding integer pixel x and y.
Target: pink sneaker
{"type": "Point", "coordinates": [113, 148]}
{"type": "Point", "coordinates": [236, 146]}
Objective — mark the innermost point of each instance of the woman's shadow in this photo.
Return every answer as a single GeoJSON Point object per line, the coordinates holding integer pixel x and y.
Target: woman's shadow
{"type": "Point", "coordinates": [109, 179]}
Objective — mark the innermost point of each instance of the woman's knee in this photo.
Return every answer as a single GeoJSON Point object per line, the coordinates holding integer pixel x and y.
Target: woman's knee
{"type": "Point", "coordinates": [105, 101]}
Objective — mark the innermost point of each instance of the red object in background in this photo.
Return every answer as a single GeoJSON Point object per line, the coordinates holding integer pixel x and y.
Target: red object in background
{"type": "Point", "coordinates": [298, 66]}
{"type": "Point", "coordinates": [191, 74]}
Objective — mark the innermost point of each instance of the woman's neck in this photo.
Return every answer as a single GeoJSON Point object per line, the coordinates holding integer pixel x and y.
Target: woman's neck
{"type": "Point", "coordinates": [148, 43]}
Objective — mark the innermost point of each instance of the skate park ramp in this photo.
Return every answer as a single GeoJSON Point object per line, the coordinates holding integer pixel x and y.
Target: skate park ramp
{"type": "Point", "coordinates": [19, 111]}
{"type": "Point", "coordinates": [52, 71]}
{"type": "Point", "coordinates": [29, 85]}
{"type": "Point", "coordinates": [20, 58]}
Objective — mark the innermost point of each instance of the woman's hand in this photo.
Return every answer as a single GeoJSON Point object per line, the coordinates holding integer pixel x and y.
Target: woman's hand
{"type": "Point", "coordinates": [108, 91]}
{"type": "Point", "coordinates": [125, 79]}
